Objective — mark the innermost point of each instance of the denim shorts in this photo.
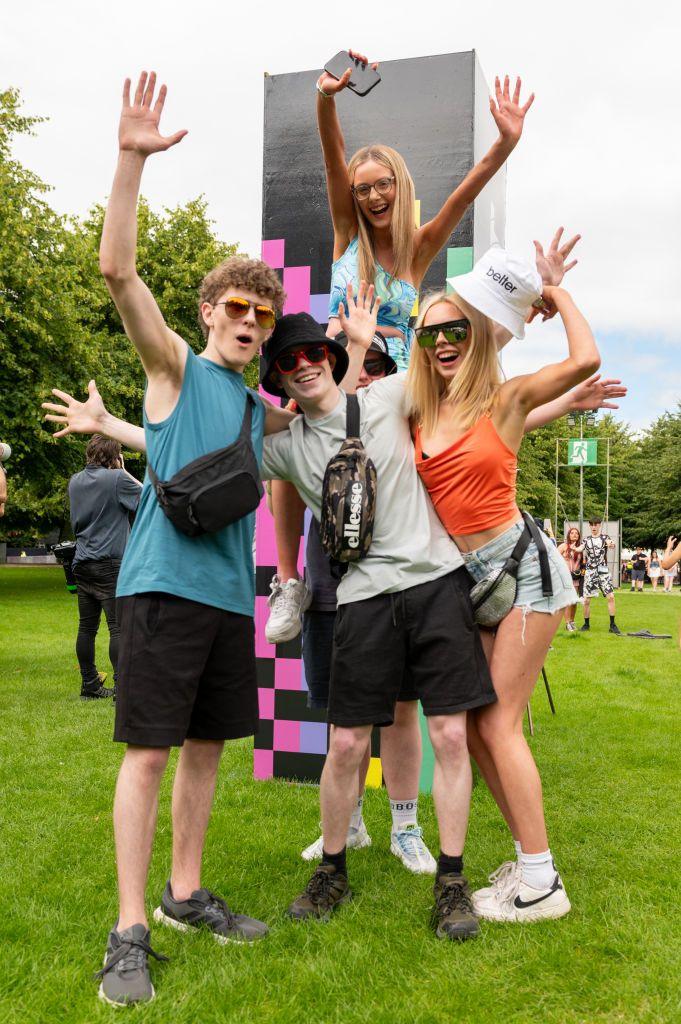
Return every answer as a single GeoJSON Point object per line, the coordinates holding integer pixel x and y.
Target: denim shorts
{"type": "Point", "coordinates": [529, 591]}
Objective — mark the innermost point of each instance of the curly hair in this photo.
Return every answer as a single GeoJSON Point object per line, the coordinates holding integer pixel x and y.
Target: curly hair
{"type": "Point", "coordinates": [102, 451]}
{"type": "Point", "coordinates": [241, 272]}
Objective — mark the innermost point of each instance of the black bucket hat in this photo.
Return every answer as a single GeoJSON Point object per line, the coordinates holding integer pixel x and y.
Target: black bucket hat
{"type": "Point", "coordinates": [291, 331]}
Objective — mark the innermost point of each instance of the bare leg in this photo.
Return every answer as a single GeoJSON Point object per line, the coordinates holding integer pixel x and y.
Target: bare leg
{"type": "Point", "coordinates": [193, 791]}
{"type": "Point", "coordinates": [515, 666]}
{"type": "Point", "coordinates": [363, 769]}
{"type": "Point", "coordinates": [338, 786]}
{"type": "Point", "coordinates": [452, 780]}
{"type": "Point", "coordinates": [288, 509]}
{"type": "Point", "coordinates": [134, 816]}
{"type": "Point", "coordinates": [401, 751]}
{"type": "Point", "coordinates": [587, 607]}
{"type": "Point", "coordinates": [611, 603]}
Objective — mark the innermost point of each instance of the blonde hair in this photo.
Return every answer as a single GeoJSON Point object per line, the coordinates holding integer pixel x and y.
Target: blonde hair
{"type": "Point", "coordinates": [402, 225]}
{"type": "Point", "coordinates": [475, 387]}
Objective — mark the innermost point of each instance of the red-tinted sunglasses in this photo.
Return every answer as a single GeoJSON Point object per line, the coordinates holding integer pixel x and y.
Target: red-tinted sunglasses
{"type": "Point", "coordinates": [289, 362]}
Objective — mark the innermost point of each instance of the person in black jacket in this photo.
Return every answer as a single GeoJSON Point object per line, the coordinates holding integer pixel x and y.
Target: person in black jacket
{"type": "Point", "coordinates": [102, 497]}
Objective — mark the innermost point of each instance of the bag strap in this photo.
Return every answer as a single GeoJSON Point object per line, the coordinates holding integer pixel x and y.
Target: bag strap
{"type": "Point", "coordinates": [352, 416]}
{"type": "Point", "coordinates": [245, 432]}
{"type": "Point", "coordinates": [544, 568]}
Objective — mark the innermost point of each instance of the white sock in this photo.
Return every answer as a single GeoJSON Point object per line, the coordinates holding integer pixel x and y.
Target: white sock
{"type": "Point", "coordinates": [356, 819]}
{"type": "Point", "coordinates": [537, 869]}
{"type": "Point", "coordinates": [518, 848]}
{"type": "Point", "coordinates": [404, 812]}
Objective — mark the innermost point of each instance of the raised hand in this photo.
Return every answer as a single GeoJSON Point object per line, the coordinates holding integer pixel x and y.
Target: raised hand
{"type": "Point", "coordinates": [359, 324]}
{"type": "Point", "coordinates": [330, 85]}
{"type": "Point", "coordinates": [79, 417]}
{"type": "Point", "coordinates": [138, 130]}
{"type": "Point", "coordinates": [508, 114]}
{"type": "Point", "coordinates": [551, 265]}
{"type": "Point", "coordinates": [595, 393]}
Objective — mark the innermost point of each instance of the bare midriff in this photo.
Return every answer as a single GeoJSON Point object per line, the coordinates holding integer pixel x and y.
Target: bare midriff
{"type": "Point", "coordinates": [473, 541]}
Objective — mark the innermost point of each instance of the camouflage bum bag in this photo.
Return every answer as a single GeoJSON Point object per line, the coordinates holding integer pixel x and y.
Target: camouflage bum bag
{"type": "Point", "coordinates": [346, 523]}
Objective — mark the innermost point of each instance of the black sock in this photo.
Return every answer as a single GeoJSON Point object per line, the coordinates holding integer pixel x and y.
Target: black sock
{"type": "Point", "coordinates": [337, 859]}
{"type": "Point", "coordinates": [612, 620]}
{"type": "Point", "coordinates": [449, 865]}
{"type": "Point", "coordinates": [586, 621]}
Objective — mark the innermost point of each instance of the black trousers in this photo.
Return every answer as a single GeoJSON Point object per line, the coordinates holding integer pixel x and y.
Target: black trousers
{"type": "Point", "coordinates": [96, 592]}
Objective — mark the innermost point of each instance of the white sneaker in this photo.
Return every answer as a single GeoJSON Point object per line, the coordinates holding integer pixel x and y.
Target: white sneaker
{"type": "Point", "coordinates": [357, 839]}
{"type": "Point", "coordinates": [500, 880]}
{"type": "Point", "coordinates": [407, 844]}
{"type": "Point", "coordinates": [287, 602]}
{"type": "Point", "coordinates": [515, 900]}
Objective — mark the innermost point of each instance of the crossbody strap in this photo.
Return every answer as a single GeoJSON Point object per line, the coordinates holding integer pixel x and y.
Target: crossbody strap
{"type": "Point", "coordinates": [352, 416]}
{"type": "Point", "coordinates": [544, 567]}
{"type": "Point", "coordinates": [244, 434]}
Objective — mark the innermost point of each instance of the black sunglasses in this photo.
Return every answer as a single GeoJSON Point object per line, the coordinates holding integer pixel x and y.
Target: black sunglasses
{"type": "Point", "coordinates": [453, 330]}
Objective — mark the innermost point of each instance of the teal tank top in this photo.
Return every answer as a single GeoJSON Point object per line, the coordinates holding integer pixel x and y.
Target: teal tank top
{"type": "Point", "coordinates": [396, 298]}
{"type": "Point", "coordinates": [217, 568]}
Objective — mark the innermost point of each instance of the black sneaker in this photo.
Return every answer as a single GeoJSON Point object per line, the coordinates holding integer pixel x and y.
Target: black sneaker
{"type": "Point", "coordinates": [614, 629]}
{"type": "Point", "coordinates": [205, 909]}
{"type": "Point", "coordinates": [95, 691]}
{"type": "Point", "coordinates": [125, 974]}
{"type": "Point", "coordinates": [325, 891]}
{"type": "Point", "coordinates": [453, 915]}
{"type": "Point", "coordinates": [585, 628]}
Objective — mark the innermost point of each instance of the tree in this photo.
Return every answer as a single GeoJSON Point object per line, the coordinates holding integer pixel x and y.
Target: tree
{"type": "Point", "coordinates": [59, 326]}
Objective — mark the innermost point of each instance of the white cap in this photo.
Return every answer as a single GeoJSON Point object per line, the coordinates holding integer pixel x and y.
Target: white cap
{"type": "Point", "coordinates": [5, 452]}
{"type": "Point", "coordinates": [502, 286]}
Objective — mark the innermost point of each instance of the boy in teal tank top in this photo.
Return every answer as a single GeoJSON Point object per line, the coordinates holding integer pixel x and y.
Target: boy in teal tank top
{"type": "Point", "coordinates": [185, 604]}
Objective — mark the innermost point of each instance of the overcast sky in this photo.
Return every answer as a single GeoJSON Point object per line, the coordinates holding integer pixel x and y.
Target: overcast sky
{"type": "Point", "coordinates": [601, 151]}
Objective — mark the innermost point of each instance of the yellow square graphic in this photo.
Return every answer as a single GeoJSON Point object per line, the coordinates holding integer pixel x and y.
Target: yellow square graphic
{"type": "Point", "coordinates": [375, 773]}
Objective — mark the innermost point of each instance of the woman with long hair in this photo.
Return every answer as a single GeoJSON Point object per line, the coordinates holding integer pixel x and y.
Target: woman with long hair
{"type": "Point", "coordinates": [571, 550]}
{"type": "Point", "coordinates": [468, 426]}
{"type": "Point", "coordinates": [375, 239]}
{"type": "Point", "coordinates": [654, 569]}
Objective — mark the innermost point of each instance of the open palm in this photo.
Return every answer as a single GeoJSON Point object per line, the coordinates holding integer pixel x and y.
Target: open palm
{"type": "Point", "coordinates": [508, 113]}
{"type": "Point", "coordinates": [138, 129]}
{"type": "Point", "coordinates": [77, 417]}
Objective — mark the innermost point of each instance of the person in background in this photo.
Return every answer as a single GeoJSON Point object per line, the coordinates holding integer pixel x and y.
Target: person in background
{"type": "Point", "coordinates": [670, 562]}
{"type": "Point", "coordinates": [639, 564]}
{"type": "Point", "coordinates": [3, 491]}
{"type": "Point", "coordinates": [597, 577]}
{"type": "Point", "coordinates": [654, 568]}
{"type": "Point", "coordinates": [102, 497]}
{"type": "Point", "coordinates": [572, 551]}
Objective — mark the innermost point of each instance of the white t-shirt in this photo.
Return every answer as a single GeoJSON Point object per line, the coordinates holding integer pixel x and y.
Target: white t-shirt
{"type": "Point", "coordinates": [410, 546]}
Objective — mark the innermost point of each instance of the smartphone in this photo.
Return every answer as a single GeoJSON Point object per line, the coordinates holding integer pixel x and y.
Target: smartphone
{"type": "Point", "coordinates": [363, 78]}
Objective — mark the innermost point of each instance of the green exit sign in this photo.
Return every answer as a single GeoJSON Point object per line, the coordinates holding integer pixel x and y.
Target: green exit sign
{"type": "Point", "coordinates": [583, 452]}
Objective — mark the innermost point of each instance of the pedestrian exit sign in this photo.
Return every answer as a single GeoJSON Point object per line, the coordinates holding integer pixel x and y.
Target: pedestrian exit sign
{"type": "Point", "coordinates": [583, 452]}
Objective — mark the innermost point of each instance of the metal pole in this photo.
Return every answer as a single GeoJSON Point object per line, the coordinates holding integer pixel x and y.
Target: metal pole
{"type": "Point", "coordinates": [581, 481]}
{"type": "Point", "coordinates": [555, 514]}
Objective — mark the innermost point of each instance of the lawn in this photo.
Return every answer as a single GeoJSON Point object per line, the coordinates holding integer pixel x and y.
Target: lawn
{"type": "Point", "coordinates": [610, 764]}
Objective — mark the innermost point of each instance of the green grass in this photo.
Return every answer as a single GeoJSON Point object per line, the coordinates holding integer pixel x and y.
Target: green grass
{"type": "Point", "coordinates": [610, 765]}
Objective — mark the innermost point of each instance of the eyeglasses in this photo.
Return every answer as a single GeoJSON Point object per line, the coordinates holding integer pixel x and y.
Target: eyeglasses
{"type": "Point", "coordinates": [236, 307]}
{"type": "Point", "coordinates": [289, 362]}
{"type": "Point", "coordinates": [375, 367]}
{"type": "Point", "coordinates": [381, 187]}
{"type": "Point", "coordinates": [453, 330]}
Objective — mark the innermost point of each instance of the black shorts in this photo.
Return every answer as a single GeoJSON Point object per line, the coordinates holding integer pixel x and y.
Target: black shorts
{"type": "Point", "coordinates": [427, 631]}
{"type": "Point", "coordinates": [185, 671]}
{"type": "Point", "coordinates": [318, 628]}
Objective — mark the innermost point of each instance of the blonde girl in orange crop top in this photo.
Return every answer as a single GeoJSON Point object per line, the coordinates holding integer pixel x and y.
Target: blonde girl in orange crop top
{"type": "Point", "coordinates": [468, 427]}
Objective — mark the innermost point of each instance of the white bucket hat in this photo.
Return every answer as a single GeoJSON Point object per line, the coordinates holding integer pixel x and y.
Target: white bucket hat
{"type": "Point", "coordinates": [502, 286]}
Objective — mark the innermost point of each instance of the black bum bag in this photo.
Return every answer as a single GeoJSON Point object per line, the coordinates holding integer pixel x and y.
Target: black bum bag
{"type": "Point", "coordinates": [216, 489]}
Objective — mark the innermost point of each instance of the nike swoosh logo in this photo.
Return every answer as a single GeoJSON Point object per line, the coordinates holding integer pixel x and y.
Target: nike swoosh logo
{"type": "Point", "coordinates": [520, 904]}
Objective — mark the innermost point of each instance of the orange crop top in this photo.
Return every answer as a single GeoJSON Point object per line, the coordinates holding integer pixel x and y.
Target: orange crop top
{"type": "Point", "coordinates": [471, 483]}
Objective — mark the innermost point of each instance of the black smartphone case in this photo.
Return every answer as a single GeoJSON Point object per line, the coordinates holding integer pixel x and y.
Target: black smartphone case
{"type": "Point", "coordinates": [363, 78]}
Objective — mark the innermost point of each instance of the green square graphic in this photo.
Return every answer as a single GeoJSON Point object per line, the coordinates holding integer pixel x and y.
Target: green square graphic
{"type": "Point", "coordinates": [459, 261]}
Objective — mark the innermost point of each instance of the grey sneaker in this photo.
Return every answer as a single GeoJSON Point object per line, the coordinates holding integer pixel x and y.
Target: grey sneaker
{"type": "Point", "coordinates": [287, 602]}
{"type": "Point", "coordinates": [205, 909]}
{"type": "Point", "coordinates": [125, 974]}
